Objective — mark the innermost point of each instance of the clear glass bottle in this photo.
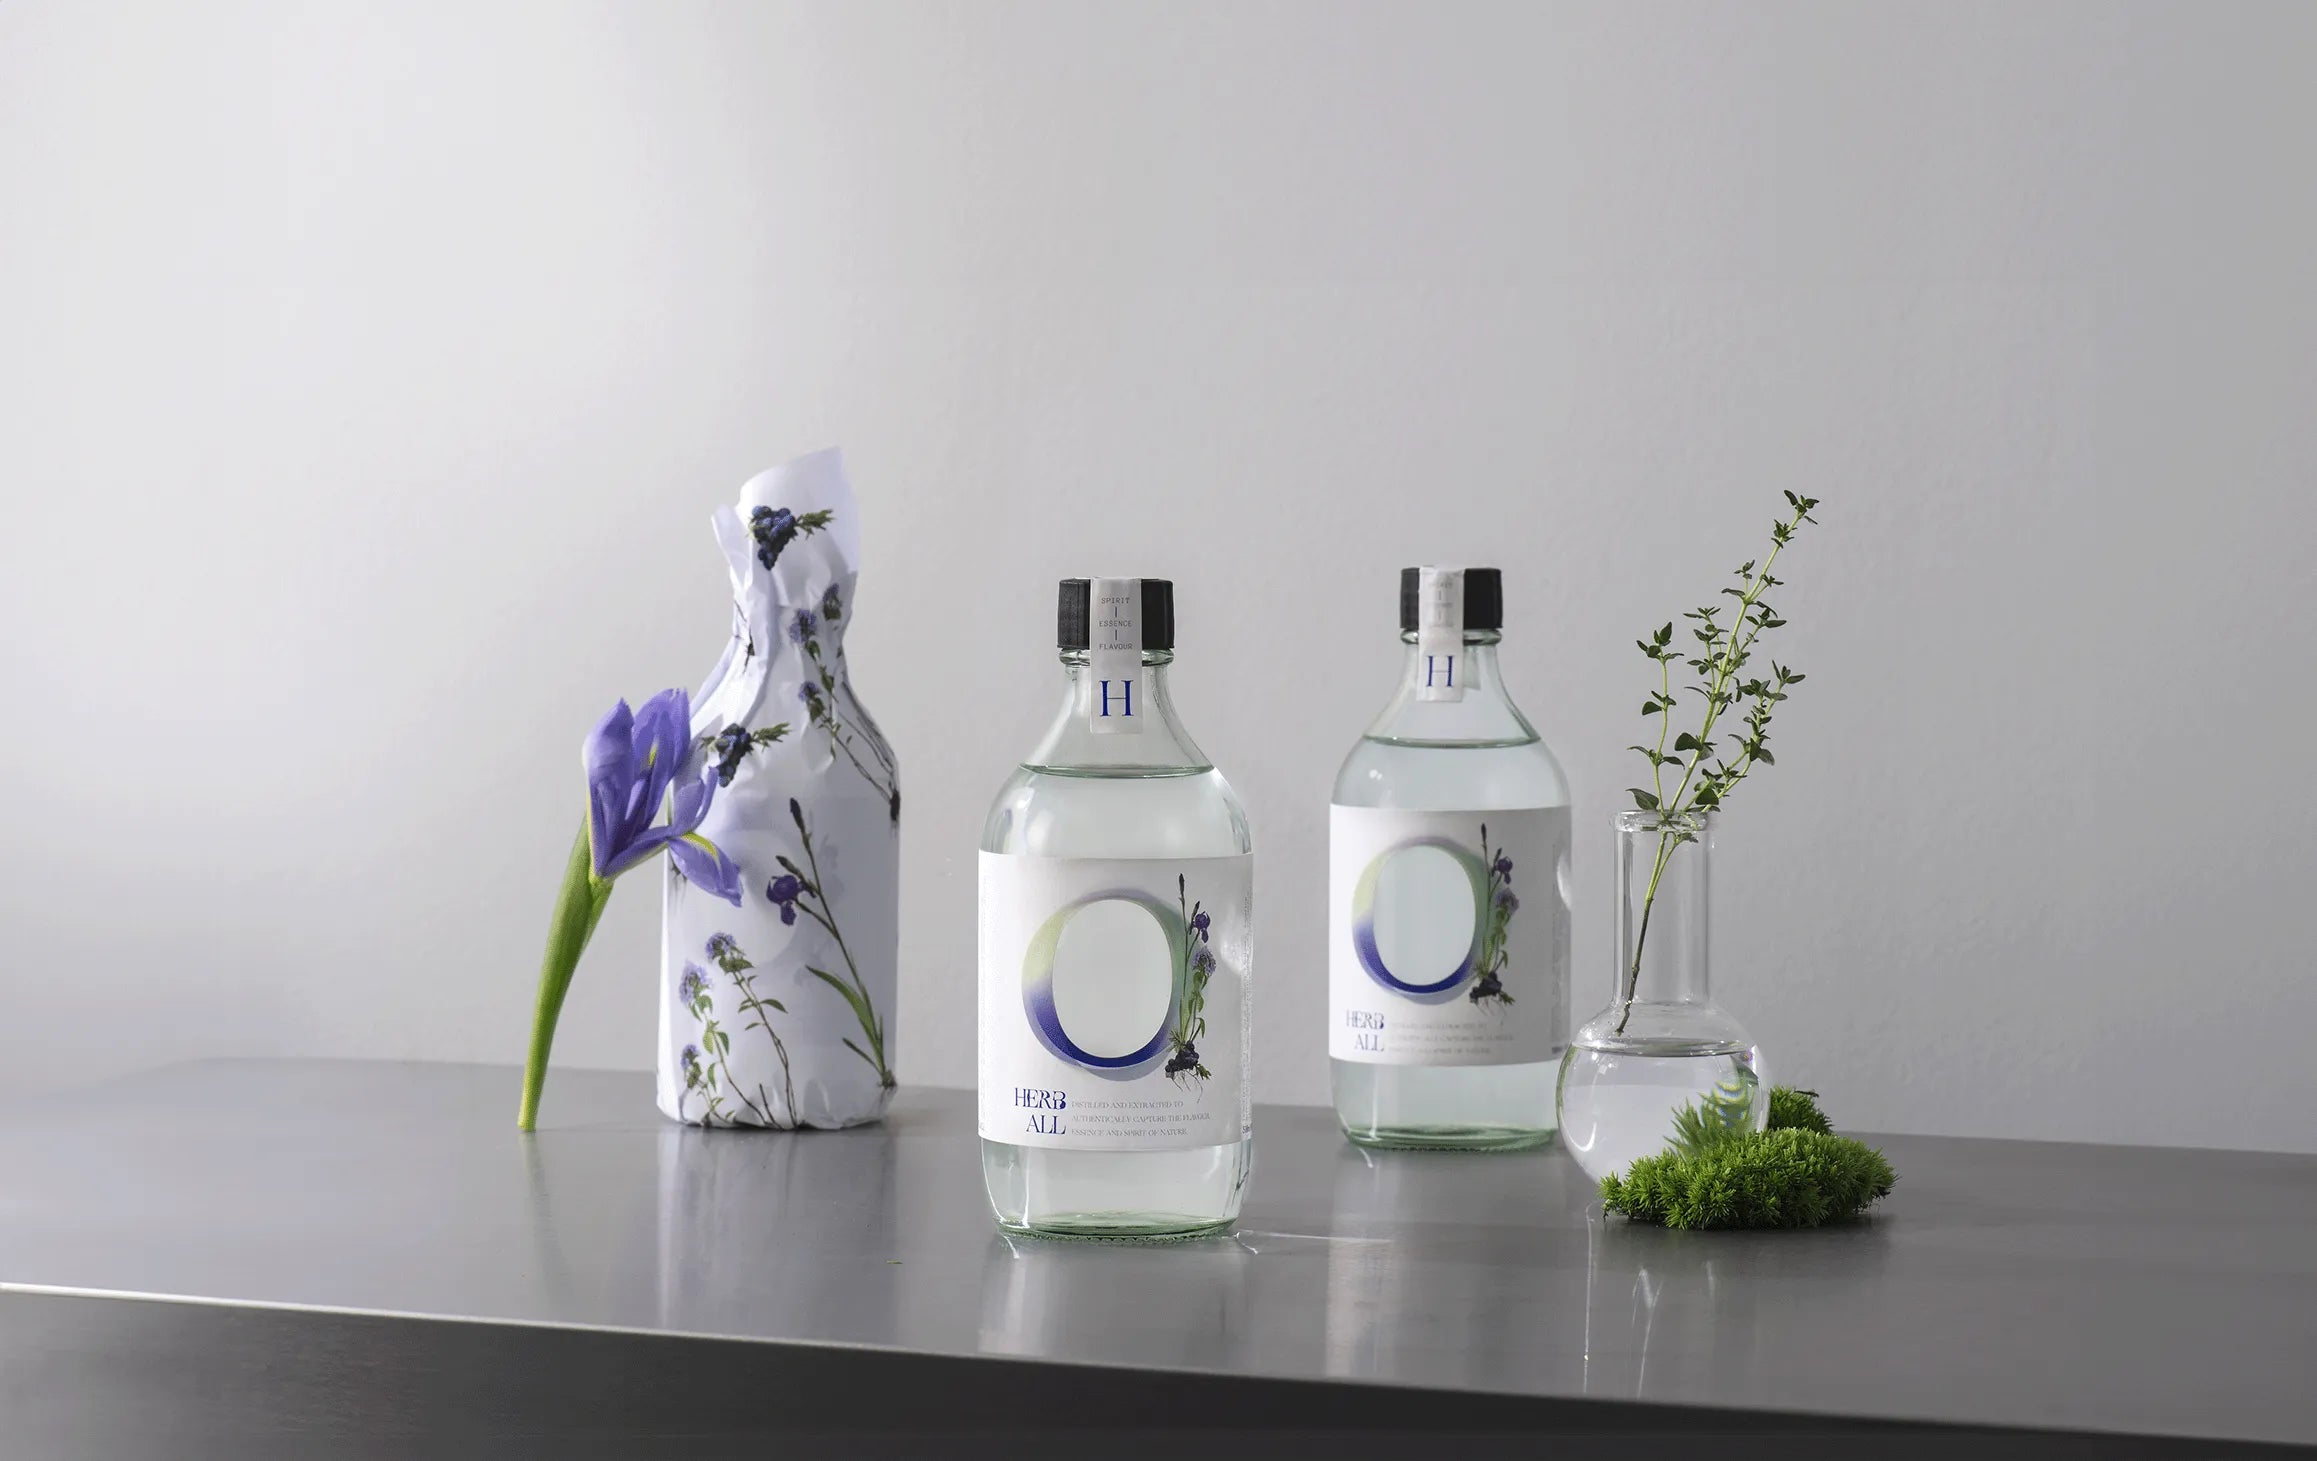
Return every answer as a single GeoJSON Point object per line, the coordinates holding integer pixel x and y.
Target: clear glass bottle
{"type": "Point", "coordinates": [1662, 1044]}
{"type": "Point", "coordinates": [1469, 1048]}
{"type": "Point", "coordinates": [1095, 812]}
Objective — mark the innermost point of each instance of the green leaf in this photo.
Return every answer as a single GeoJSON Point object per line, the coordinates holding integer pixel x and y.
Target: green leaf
{"type": "Point", "coordinates": [860, 1006]}
{"type": "Point", "coordinates": [1645, 800]}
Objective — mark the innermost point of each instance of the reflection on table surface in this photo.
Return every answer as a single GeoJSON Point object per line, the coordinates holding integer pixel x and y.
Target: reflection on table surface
{"type": "Point", "coordinates": [2003, 1283]}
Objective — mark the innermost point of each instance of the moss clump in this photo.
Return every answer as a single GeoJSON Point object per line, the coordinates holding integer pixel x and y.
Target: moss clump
{"type": "Point", "coordinates": [1793, 1110]}
{"type": "Point", "coordinates": [1798, 1174]}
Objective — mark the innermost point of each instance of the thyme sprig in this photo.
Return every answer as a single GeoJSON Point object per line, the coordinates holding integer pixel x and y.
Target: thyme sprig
{"type": "Point", "coordinates": [1725, 647]}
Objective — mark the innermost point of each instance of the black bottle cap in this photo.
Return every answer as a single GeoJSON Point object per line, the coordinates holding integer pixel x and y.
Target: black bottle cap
{"type": "Point", "coordinates": [1158, 613]}
{"type": "Point", "coordinates": [1483, 599]}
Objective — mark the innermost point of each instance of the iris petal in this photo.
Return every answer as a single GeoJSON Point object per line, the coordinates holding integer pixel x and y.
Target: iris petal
{"type": "Point", "coordinates": [643, 846]}
{"type": "Point", "coordinates": [663, 738]}
{"type": "Point", "coordinates": [632, 758]}
{"type": "Point", "coordinates": [605, 755]}
{"type": "Point", "coordinates": [692, 799]}
{"type": "Point", "coordinates": [705, 864]}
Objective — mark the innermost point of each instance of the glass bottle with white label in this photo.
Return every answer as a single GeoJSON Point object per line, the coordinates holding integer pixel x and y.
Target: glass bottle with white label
{"type": "Point", "coordinates": [1448, 936]}
{"type": "Point", "coordinates": [1116, 945]}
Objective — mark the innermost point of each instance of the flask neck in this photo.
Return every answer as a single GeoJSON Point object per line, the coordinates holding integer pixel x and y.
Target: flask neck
{"type": "Point", "coordinates": [1482, 714]}
{"type": "Point", "coordinates": [1664, 934]}
{"type": "Point", "coordinates": [1072, 744]}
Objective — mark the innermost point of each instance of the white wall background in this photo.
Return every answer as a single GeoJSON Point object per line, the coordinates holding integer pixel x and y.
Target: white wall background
{"type": "Point", "coordinates": [367, 373]}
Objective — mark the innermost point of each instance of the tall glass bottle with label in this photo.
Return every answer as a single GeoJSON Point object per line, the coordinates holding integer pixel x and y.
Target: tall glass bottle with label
{"type": "Point", "coordinates": [1448, 936]}
{"type": "Point", "coordinates": [1116, 944]}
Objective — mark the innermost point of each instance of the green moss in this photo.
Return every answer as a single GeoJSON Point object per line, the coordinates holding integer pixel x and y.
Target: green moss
{"type": "Point", "coordinates": [1798, 1174]}
{"type": "Point", "coordinates": [1793, 1110]}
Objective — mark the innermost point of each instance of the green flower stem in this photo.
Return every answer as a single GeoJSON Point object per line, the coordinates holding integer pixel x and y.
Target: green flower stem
{"type": "Point", "coordinates": [871, 1025]}
{"type": "Point", "coordinates": [578, 908]}
{"type": "Point", "coordinates": [837, 739]}
{"type": "Point", "coordinates": [746, 984]}
{"type": "Point", "coordinates": [1733, 654]}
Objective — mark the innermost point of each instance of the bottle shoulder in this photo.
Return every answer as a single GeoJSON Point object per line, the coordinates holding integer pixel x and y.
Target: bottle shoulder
{"type": "Point", "coordinates": [1380, 772]}
{"type": "Point", "coordinates": [1117, 813]}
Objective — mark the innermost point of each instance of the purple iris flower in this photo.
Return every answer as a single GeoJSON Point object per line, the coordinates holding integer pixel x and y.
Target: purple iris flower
{"type": "Point", "coordinates": [1504, 867]}
{"type": "Point", "coordinates": [804, 627]}
{"type": "Point", "coordinates": [633, 759]}
{"type": "Point", "coordinates": [784, 890]}
{"type": "Point", "coordinates": [1199, 923]}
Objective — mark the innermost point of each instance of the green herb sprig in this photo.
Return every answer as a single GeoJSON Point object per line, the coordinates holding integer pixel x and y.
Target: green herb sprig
{"type": "Point", "coordinates": [1797, 1174]}
{"type": "Point", "coordinates": [1706, 776]}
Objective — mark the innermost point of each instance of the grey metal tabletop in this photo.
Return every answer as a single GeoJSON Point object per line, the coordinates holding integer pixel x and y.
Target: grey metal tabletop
{"type": "Point", "coordinates": [2113, 1290]}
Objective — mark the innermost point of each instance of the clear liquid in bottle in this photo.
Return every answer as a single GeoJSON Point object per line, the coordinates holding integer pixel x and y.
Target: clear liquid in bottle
{"type": "Point", "coordinates": [1116, 950]}
{"type": "Point", "coordinates": [1449, 908]}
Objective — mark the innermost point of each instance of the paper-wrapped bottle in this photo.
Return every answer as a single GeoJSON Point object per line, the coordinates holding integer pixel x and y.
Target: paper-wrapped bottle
{"type": "Point", "coordinates": [779, 1013]}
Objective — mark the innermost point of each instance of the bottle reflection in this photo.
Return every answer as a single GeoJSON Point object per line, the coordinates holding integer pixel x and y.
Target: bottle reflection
{"type": "Point", "coordinates": [1362, 1283]}
{"type": "Point", "coordinates": [1417, 1282]}
{"type": "Point", "coordinates": [1193, 1303]}
{"type": "Point", "coordinates": [798, 1225]}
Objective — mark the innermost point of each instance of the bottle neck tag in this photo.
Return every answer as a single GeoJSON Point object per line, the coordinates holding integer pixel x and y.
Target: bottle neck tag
{"type": "Point", "coordinates": [1440, 634]}
{"type": "Point", "coordinates": [1114, 702]}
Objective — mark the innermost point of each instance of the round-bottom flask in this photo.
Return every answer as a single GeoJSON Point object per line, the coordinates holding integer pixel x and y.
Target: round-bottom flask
{"type": "Point", "coordinates": [1662, 1045]}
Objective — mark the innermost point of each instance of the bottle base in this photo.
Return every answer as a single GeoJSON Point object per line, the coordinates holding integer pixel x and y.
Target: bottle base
{"type": "Point", "coordinates": [1120, 1227]}
{"type": "Point", "coordinates": [1446, 1108]}
{"type": "Point", "coordinates": [1451, 1138]}
{"type": "Point", "coordinates": [1181, 1193]}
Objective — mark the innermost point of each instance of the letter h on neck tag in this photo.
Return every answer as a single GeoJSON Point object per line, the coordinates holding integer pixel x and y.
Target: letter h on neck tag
{"type": "Point", "coordinates": [1440, 634]}
{"type": "Point", "coordinates": [1114, 705]}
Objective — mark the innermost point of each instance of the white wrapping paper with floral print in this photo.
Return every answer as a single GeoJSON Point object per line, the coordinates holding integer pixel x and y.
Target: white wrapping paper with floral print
{"type": "Point", "coordinates": [779, 1012]}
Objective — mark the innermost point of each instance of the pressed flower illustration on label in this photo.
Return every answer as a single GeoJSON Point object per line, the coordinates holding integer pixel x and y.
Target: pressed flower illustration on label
{"type": "Point", "coordinates": [1448, 936]}
{"type": "Point", "coordinates": [1114, 1001]}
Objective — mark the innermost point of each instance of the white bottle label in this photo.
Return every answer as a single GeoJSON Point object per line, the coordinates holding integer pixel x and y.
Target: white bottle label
{"type": "Point", "coordinates": [1440, 634]}
{"type": "Point", "coordinates": [1114, 656]}
{"type": "Point", "coordinates": [1114, 1001]}
{"type": "Point", "coordinates": [1448, 936]}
